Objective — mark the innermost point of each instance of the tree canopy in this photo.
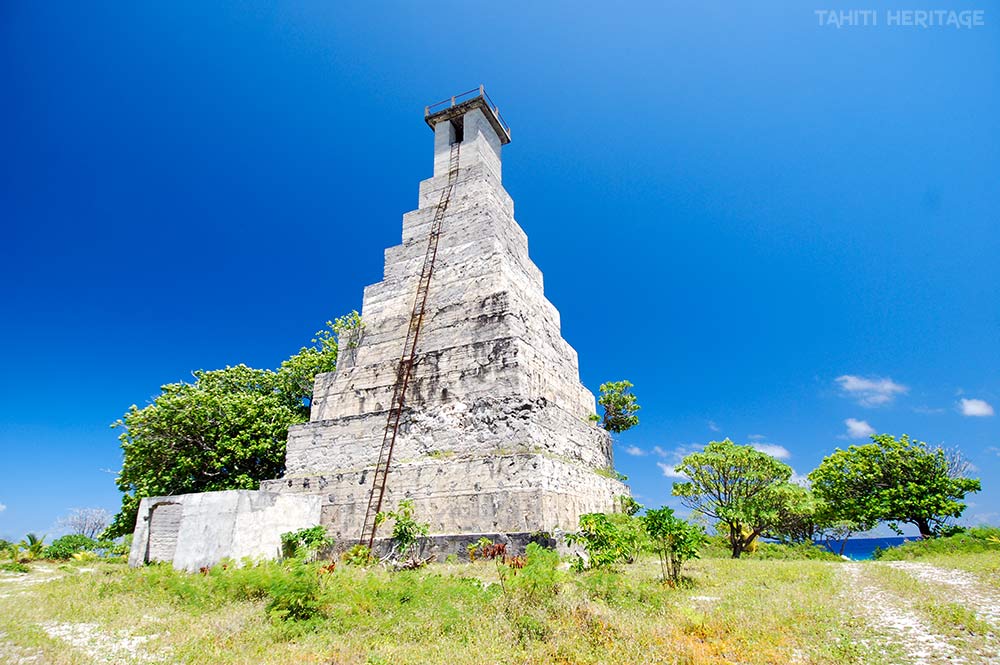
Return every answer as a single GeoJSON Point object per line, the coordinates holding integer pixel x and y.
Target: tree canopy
{"type": "Point", "coordinates": [896, 481]}
{"type": "Point", "coordinates": [738, 485]}
{"type": "Point", "coordinates": [619, 406]}
{"type": "Point", "coordinates": [225, 430]}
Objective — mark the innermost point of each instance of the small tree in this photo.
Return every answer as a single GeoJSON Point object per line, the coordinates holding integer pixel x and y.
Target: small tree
{"type": "Point", "coordinates": [608, 539]}
{"type": "Point", "coordinates": [305, 543]}
{"type": "Point", "coordinates": [89, 522]}
{"type": "Point", "coordinates": [674, 540]}
{"type": "Point", "coordinates": [896, 481]}
{"type": "Point", "coordinates": [619, 406]}
{"type": "Point", "coordinates": [33, 546]}
{"type": "Point", "coordinates": [737, 485]}
{"type": "Point", "coordinates": [65, 547]}
{"type": "Point", "coordinates": [297, 374]}
{"type": "Point", "coordinates": [406, 531]}
{"type": "Point", "coordinates": [225, 430]}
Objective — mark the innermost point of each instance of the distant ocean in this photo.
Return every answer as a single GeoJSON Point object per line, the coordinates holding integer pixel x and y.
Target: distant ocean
{"type": "Point", "coordinates": [861, 549]}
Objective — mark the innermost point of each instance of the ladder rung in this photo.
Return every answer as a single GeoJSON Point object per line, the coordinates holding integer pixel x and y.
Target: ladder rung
{"type": "Point", "coordinates": [405, 367]}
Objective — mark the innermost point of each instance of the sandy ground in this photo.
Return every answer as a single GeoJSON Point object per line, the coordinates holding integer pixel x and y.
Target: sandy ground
{"type": "Point", "coordinates": [898, 623]}
{"type": "Point", "coordinates": [98, 645]}
{"type": "Point", "coordinates": [963, 586]}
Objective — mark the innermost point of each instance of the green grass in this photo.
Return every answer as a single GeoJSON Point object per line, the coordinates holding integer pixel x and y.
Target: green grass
{"type": "Point", "coordinates": [970, 541]}
{"type": "Point", "coordinates": [771, 607]}
{"type": "Point", "coordinates": [726, 611]}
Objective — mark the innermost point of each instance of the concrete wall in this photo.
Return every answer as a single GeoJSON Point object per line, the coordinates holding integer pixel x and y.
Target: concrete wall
{"type": "Point", "coordinates": [496, 493]}
{"type": "Point", "coordinates": [195, 530]}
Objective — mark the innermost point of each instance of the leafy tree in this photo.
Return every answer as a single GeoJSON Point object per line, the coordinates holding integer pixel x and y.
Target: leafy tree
{"type": "Point", "coordinates": [89, 522]}
{"type": "Point", "coordinates": [33, 546]}
{"type": "Point", "coordinates": [893, 480]}
{"type": "Point", "coordinates": [797, 517]}
{"type": "Point", "coordinates": [608, 539]}
{"type": "Point", "coordinates": [738, 485]}
{"type": "Point", "coordinates": [674, 540]}
{"type": "Point", "coordinates": [406, 530]}
{"type": "Point", "coordinates": [225, 430]}
{"type": "Point", "coordinates": [296, 375]}
{"type": "Point", "coordinates": [67, 546]}
{"type": "Point", "coordinates": [619, 406]}
{"type": "Point", "coordinates": [629, 505]}
{"type": "Point", "coordinates": [305, 543]}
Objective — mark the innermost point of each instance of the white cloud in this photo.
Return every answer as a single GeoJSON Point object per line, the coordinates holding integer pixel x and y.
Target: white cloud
{"type": "Point", "coordinates": [871, 391]}
{"type": "Point", "coordinates": [756, 437]}
{"type": "Point", "coordinates": [858, 429]}
{"type": "Point", "coordinates": [993, 449]}
{"type": "Point", "coordinates": [669, 472]}
{"type": "Point", "coordinates": [979, 519]}
{"type": "Point", "coordinates": [975, 407]}
{"type": "Point", "coordinates": [799, 479]}
{"type": "Point", "coordinates": [3, 507]}
{"type": "Point", "coordinates": [773, 450]}
{"type": "Point", "coordinates": [673, 457]}
{"type": "Point", "coordinates": [712, 426]}
{"type": "Point", "coordinates": [635, 451]}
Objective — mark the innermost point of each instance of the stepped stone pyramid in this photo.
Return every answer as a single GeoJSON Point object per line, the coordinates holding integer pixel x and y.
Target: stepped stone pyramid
{"type": "Point", "coordinates": [495, 437]}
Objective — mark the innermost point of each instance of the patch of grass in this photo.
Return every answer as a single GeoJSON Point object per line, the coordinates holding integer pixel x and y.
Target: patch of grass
{"type": "Point", "coordinates": [966, 632]}
{"type": "Point", "coordinates": [970, 541]}
{"type": "Point", "coordinates": [750, 610]}
{"type": "Point", "coordinates": [984, 565]}
{"type": "Point", "coordinates": [800, 552]}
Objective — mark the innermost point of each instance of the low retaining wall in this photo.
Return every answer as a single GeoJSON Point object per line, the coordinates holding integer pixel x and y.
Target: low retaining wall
{"type": "Point", "coordinates": [195, 530]}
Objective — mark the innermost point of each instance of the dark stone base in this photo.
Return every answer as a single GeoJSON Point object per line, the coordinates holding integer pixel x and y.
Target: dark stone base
{"type": "Point", "coordinates": [442, 546]}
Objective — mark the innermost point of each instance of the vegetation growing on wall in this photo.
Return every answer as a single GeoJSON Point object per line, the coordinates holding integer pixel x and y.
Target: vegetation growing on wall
{"type": "Point", "coordinates": [225, 430]}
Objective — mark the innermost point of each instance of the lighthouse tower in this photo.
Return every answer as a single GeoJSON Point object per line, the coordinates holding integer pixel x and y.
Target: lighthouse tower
{"type": "Point", "coordinates": [492, 434]}
{"type": "Point", "coordinates": [459, 393]}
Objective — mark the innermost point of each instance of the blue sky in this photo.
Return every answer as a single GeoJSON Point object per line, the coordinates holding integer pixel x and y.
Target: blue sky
{"type": "Point", "coordinates": [772, 227]}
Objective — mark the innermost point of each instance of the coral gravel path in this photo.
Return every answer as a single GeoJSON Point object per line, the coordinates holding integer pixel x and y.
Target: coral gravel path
{"type": "Point", "coordinates": [961, 586]}
{"type": "Point", "coordinates": [897, 624]}
{"type": "Point", "coordinates": [900, 625]}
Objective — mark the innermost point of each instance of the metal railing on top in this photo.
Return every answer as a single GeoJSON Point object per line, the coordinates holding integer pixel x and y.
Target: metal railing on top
{"type": "Point", "coordinates": [464, 97]}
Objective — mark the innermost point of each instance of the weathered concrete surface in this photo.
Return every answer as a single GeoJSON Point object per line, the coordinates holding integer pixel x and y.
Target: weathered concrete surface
{"type": "Point", "coordinates": [496, 437]}
{"type": "Point", "coordinates": [195, 530]}
{"type": "Point", "coordinates": [509, 492]}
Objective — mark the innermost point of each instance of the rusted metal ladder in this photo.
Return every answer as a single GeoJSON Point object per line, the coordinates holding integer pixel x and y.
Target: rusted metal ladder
{"type": "Point", "coordinates": [405, 367]}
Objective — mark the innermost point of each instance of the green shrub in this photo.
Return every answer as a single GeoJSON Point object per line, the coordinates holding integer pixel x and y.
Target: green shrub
{"type": "Point", "coordinates": [609, 539]}
{"type": "Point", "coordinates": [674, 540]}
{"type": "Point", "coordinates": [110, 548]}
{"type": "Point", "coordinates": [65, 547]}
{"type": "Point", "coordinates": [14, 567]}
{"type": "Point", "coordinates": [294, 595]}
{"type": "Point", "coordinates": [305, 543]}
{"type": "Point", "coordinates": [406, 530]}
{"type": "Point", "coordinates": [359, 555]}
{"type": "Point", "coordinates": [976, 539]}
{"type": "Point", "coordinates": [538, 581]}
{"type": "Point", "coordinates": [798, 551]}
